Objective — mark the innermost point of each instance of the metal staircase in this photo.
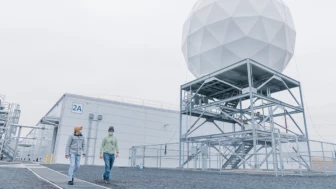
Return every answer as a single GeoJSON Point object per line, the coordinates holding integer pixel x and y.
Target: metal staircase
{"type": "Point", "coordinates": [237, 157]}
{"type": "Point", "coordinates": [9, 152]}
{"type": "Point", "coordinates": [234, 103]}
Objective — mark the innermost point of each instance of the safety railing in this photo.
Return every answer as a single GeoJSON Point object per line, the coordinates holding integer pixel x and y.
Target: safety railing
{"type": "Point", "coordinates": [289, 158]}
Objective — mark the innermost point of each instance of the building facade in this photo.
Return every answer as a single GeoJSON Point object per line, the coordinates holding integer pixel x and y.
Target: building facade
{"type": "Point", "coordinates": [134, 125]}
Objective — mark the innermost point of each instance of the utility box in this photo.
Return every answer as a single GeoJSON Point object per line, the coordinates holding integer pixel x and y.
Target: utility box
{"type": "Point", "coordinates": [204, 150]}
{"type": "Point", "coordinates": [100, 117]}
{"type": "Point", "coordinates": [91, 116]}
{"type": "Point", "coordinates": [193, 150]}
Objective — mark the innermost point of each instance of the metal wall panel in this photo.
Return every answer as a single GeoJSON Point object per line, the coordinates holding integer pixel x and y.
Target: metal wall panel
{"type": "Point", "coordinates": [134, 125]}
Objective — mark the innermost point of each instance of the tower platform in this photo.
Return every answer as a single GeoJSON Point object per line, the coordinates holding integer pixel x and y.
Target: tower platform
{"type": "Point", "coordinates": [259, 115]}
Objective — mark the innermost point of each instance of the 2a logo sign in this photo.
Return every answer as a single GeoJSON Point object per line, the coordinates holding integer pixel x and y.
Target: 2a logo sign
{"type": "Point", "coordinates": [77, 108]}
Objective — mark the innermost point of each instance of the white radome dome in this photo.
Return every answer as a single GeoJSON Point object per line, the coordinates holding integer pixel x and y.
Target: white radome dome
{"type": "Point", "coordinates": [219, 33]}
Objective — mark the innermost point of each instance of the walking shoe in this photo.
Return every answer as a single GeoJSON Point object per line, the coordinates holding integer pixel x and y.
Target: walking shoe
{"type": "Point", "coordinates": [107, 181]}
{"type": "Point", "coordinates": [70, 183]}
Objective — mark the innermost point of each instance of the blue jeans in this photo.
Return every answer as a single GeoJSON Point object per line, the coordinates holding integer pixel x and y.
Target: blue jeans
{"type": "Point", "coordinates": [74, 165]}
{"type": "Point", "coordinates": [109, 160]}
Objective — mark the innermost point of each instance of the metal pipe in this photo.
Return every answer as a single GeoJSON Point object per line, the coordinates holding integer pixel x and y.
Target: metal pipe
{"type": "Point", "coordinates": [180, 138]}
{"type": "Point", "coordinates": [324, 163]}
{"type": "Point", "coordinates": [294, 121]}
{"type": "Point", "coordinates": [278, 102]}
{"type": "Point", "coordinates": [275, 161]}
{"type": "Point", "coordinates": [267, 155]}
{"type": "Point", "coordinates": [250, 81]}
{"type": "Point", "coordinates": [290, 92]}
{"type": "Point", "coordinates": [217, 126]}
{"type": "Point", "coordinates": [305, 124]}
{"type": "Point", "coordinates": [298, 155]}
{"type": "Point", "coordinates": [195, 122]}
{"type": "Point", "coordinates": [280, 153]}
{"type": "Point", "coordinates": [160, 155]}
{"type": "Point", "coordinates": [88, 142]}
{"type": "Point", "coordinates": [260, 86]}
{"type": "Point", "coordinates": [95, 143]}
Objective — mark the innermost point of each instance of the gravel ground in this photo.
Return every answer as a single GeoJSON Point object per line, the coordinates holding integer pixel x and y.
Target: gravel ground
{"type": "Point", "coordinates": [129, 178]}
{"type": "Point", "coordinates": [17, 178]}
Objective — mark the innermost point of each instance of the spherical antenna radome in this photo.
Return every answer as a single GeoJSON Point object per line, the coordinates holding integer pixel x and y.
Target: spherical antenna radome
{"type": "Point", "coordinates": [219, 33]}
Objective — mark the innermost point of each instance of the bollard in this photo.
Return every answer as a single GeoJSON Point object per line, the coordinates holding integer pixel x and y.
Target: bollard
{"type": "Point", "coordinates": [47, 158]}
{"type": "Point", "coordinates": [51, 158]}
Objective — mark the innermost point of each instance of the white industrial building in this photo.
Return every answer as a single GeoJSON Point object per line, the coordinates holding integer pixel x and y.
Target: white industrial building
{"type": "Point", "coordinates": [134, 125]}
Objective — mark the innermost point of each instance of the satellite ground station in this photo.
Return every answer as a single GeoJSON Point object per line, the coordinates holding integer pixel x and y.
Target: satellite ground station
{"type": "Point", "coordinates": [239, 114]}
{"type": "Point", "coordinates": [237, 50]}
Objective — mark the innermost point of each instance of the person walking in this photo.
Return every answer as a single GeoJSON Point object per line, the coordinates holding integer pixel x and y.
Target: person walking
{"type": "Point", "coordinates": [74, 149]}
{"type": "Point", "coordinates": [109, 150]}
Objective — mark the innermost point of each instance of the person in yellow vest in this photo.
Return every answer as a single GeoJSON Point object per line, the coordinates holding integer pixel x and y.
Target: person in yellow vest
{"type": "Point", "coordinates": [109, 150]}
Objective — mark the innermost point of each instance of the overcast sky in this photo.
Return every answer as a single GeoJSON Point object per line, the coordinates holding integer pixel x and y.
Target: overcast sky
{"type": "Point", "coordinates": [132, 48]}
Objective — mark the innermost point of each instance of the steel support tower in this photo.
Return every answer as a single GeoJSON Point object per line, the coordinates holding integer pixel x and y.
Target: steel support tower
{"type": "Point", "coordinates": [9, 115]}
{"type": "Point", "coordinates": [252, 112]}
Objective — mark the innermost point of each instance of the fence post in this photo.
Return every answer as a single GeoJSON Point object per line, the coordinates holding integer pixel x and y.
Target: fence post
{"type": "Point", "coordinates": [298, 154]}
{"type": "Point", "coordinates": [217, 161]}
{"type": "Point", "coordinates": [334, 157]}
{"type": "Point", "coordinates": [266, 155]}
{"type": "Point", "coordinates": [143, 157]}
{"type": "Point", "coordinates": [157, 158]}
{"type": "Point", "coordinates": [275, 161]}
{"type": "Point", "coordinates": [209, 156]}
{"type": "Point", "coordinates": [280, 154]}
{"type": "Point", "coordinates": [324, 163]}
{"type": "Point", "coordinates": [160, 154]}
{"type": "Point", "coordinates": [220, 157]}
{"type": "Point", "coordinates": [133, 156]}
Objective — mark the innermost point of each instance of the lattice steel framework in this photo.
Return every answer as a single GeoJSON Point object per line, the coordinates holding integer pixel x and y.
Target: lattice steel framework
{"type": "Point", "coordinates": [9, 115]}
{"type": "Point", "coordinates": [256, 111]}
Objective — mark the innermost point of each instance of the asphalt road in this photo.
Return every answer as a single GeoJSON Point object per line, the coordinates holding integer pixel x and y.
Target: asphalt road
{"type": "Point", "coordinates": [17, 178]}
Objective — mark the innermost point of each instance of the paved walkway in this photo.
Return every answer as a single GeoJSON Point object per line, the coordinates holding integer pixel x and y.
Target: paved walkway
{"type": "Point", "coordinates": [15, 175]}
{"type": "Point", "coordinates": [59, 179]}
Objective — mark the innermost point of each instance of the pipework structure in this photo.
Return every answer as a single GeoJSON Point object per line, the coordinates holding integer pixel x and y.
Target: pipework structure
{"type": "Point", "coordinates": [259, 115]}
